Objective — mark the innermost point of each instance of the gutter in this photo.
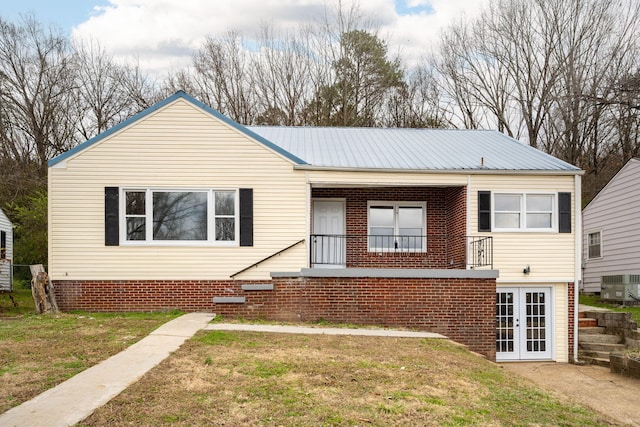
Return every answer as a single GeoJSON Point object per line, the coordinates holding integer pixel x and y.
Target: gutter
{"type": "Point", "coordinates": [577, 172]}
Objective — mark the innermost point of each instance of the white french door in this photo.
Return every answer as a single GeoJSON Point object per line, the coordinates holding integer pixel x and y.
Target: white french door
{"type": "Point", "coordinates": [329, 241]}
{"type": "Point", "coordinates": [523, 324]}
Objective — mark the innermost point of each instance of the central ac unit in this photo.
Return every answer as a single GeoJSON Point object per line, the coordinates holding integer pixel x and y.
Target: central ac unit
{"type": "Point", "coordinates": [624, 288]}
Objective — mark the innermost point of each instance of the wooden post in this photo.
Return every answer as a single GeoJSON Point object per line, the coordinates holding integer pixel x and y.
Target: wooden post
{"type": "Point", "coordinates": [42, 290]}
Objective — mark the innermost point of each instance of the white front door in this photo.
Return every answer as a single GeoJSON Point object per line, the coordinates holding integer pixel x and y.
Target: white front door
{"type": "Point", "coordinates": [523, 324]}
{"type": "Point", "coordinates": [329, 241]}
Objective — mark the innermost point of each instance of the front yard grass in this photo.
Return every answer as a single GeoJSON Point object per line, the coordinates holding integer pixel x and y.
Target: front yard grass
{"type": "Point", "coordinates": [248, 378]}
{"type": "Point", "coordinates": [38, 352]}
{"type": "Point", "coordinates": [245, 378]}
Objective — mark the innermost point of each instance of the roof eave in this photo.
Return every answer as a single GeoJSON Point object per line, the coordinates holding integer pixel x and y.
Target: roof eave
{"type": "Point", "coordinates": [479, 171]}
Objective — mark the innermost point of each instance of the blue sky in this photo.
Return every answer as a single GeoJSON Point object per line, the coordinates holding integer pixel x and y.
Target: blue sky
{"type": "Point", "coordinates": [162, 36]}
{"type": "Point", "coordinates": [66, 13]}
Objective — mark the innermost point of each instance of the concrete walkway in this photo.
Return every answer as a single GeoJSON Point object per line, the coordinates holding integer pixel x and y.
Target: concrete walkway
{"type": "Point", "coordinates": [320, 331]}
{"type": "Point", "coordinates": [77, 398]}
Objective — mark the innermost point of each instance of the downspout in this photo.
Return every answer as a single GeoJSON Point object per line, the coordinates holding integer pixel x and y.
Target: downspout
{"type": "Point", "coordinates": [308, 219]}
{"type": "Point", "coordinates": [468, 222]}
{"type": "Point", "coordinates": [578, 259]}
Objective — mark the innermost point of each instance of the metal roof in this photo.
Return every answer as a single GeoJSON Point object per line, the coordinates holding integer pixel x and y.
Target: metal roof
{"type": "Point", "coordinates": [409, 149]}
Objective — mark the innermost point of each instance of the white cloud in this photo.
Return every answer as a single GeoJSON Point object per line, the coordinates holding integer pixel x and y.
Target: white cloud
{"type": "Point", "coordinates": [163, 34]}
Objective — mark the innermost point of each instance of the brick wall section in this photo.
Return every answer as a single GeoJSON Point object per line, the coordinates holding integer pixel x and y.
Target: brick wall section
{"type": "Point", "coordinates": [462, 309]}
{"type": "Point", "coordinates": [456, 199]}
{"type": "Point", "coordinates": [446, 217]}
{"type": "Point", "coordinates": [571, 313]}
{"type": "Point", "coordinates": [143, 295]}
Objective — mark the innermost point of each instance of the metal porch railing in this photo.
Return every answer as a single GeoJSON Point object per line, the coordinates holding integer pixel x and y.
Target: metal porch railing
{"type": "Point", "coordinates": [400, 251]}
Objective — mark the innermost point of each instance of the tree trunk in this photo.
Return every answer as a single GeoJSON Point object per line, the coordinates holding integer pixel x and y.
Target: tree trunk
{"type": "Point", "coordinates": [42, 291]}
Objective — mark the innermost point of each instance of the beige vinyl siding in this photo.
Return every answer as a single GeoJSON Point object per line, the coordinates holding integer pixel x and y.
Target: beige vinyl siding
{"type": "Point", "coordinates": [550, 255]}
{"type": "Point", "coordinates": [176, 147]}
{"type": "Point", "coordinates": [345, 178]}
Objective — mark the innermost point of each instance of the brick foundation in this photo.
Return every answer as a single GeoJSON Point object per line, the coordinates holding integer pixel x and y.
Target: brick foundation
{"type": "Point", "coordinates": [462, 309]}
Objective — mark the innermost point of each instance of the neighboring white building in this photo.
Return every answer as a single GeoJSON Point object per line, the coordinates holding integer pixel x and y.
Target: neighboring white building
{"type": "Point", "coordinates": [611, 224]}
{"type": "Point", "coordinates": [6, 252]}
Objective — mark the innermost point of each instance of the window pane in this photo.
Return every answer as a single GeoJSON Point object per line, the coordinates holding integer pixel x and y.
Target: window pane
{"type": "Point", "coordinates": [410, 217]}
{"type": "Point", "coordinates": [539, 220]}
{"type": "Point", "coordinates": [381, 216]}
{"type": "Point", "coordinates": [225, 203]}
{"type": "Point", "coordinates": [381, 231]}
{"type": "Point", "coordinates": [136, 228]}
{"type": "Point", "coordinates": [225, 229]}
{"type": "Point", "coordinates": [381, 238]}
{"type": "Point", "coordinates": [180, 216]}
{"type": "Point", "coordinates": [594, 245]}
{"type": "Point", "coordinates": [135, 202]}
{"type": "Point", "coordinates": [507, 202]}
{"type": "Point", "coordinates": [507, 220]}
{"type": "Point", "coordinates": [410, 238]}
{"type": "Point", "coordinates": [539, 203]}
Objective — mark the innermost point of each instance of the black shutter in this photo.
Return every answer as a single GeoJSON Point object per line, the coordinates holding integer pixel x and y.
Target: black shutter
{"type": "Point", "coordinates": [111, 220]}
{"type": "Point", "coordinates": [484, 210]}
{"type": "Point", "coordinates": [564, 209]}
{"type": "Point", "coordinates": [246, 217]}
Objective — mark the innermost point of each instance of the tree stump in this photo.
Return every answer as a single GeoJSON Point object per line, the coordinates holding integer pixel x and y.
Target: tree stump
{"type": "Point", "coordinates": [42, 290]}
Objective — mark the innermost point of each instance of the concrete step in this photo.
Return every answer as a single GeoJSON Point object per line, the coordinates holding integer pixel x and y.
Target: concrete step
{"type": "Point", "coordinates": [583, 353]}
{"type": "Point", "coordinates": [598, 338]}
{"type": "Point", "coordinates": [591, 330]}
{"type": "Point", "coordinates": [604, 347]}
{"type": "Point", "coordinates": [587, 322]}
{"type": "Point", "coordinates": [598, 361]}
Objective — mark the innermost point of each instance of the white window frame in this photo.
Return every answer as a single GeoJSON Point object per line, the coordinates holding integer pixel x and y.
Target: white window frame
{"type": "Point", "coordinates": [523, 212]}
{"type": "Point", "coordinates": [395, 206]}
{"type": "Point", "coordinates": [209, 241]}
{"type": "Point", "coordinates": [599, 232]}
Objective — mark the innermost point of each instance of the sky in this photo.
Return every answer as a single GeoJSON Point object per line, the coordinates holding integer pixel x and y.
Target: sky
{"type": "Point", "coordinates": [162, 35]}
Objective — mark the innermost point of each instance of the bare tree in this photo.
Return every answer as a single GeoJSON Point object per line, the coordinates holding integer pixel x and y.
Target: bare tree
{"type": "Point", "coordinates": [224, 79]}
{"type": "Point", "coordinates": [281, 77]}
{"type": "Point", "coordinates": [36, 85]}
{"type": "Point", "coordinates": [418, 102]}
{"type": "Point", "coordinates": [479, 85]}
{"type": "Point", "coordinates": [107, 92]}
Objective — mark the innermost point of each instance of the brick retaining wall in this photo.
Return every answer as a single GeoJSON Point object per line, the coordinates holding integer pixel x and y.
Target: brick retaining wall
{"type": "Point", "coordinates": [462, 309]}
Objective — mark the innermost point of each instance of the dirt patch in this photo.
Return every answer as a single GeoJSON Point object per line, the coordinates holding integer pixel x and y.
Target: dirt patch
{"type": "Point", "coordinates": [593, 386]}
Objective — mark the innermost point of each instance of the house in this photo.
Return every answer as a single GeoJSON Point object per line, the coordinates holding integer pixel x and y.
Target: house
{"type": "Point", "coordinates": [611, 229]}
{"type": "Point", "coordinates": [6, 253]}
{"type": "Point", "coordinates": [466, 233]}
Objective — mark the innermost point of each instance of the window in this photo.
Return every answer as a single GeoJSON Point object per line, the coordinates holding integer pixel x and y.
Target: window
{"type": "Point", "coordinates": [3, 245]}
{"type": "Point", "coordinates": [397, 226]}
{"type": "Point", "coordinates": [180, 216]}
{"type": "Point", "coordinates": [595, 244]}
{"type": "Point", "coordinates": [524, 212]}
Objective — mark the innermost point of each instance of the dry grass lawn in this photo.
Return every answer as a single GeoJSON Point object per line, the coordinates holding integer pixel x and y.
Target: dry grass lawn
{"type": "Point", "coordinates": [39, 352]}
{"type": "Point", "coordinates": [244, 378]}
